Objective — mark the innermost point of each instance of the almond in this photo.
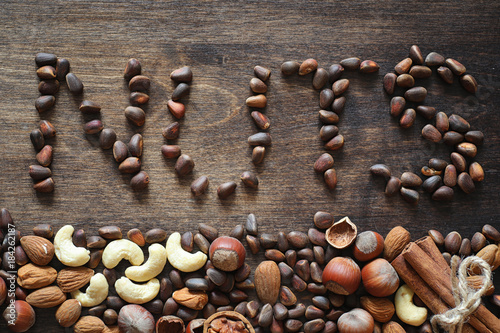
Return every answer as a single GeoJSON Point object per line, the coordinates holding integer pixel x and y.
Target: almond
{"type": "Point", "coordinates": [111, 329]}
{"type": "Point", "coordinates": [40, 250]}
{"type": "Point", "coordinates": [47, 297]}
{"type": "Point", "coordinates": [73, 278]}
{"type": "Point", "coordinates": [192, 299]}
{"type": "Point", "coordinates": [89, 324]}
{"type": "Point", "coordinates": [381, 309]}
{"type": "Point", "coordinates": [32, 276]}
{"type": "Point", "coordinates": [477, 281]}
{"type": "Point", "coordinates": [136, 236]}
{"type": "Point", "coordinates": [490, 254]}
{"type": "Point", "coordinates": [395, 242]}
{"type": "Point", "coordinates": [69, 312]}
{"type": "Point", "coordinates": [267, 280]}
{"type": "Point", "coordinates": [392, 327]}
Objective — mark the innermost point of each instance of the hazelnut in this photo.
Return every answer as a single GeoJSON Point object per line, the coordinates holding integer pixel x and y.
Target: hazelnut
{"type": "Point", "coordinates": [3, 291]}
{"type": "Point", "coordinates": [380, 278]}
{"type": "Point", "coordinates": [20, 318]}
{"type": "Point", "coordinates": [134, 319]}
{"type": "Point", "coordinates": [341, 234]}
{"type": "Point", "coordinates": [368, 245]}
{"type": "Point", "coordinates": [227, 253]}
{"type": "Point", "coordinates": [342, 276]}
{"type": "Point", "coordinates": [356, 321]}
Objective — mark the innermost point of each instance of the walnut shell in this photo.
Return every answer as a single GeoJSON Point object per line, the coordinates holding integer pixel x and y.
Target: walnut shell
{"type": "Point", "coordinates": [231, 316]}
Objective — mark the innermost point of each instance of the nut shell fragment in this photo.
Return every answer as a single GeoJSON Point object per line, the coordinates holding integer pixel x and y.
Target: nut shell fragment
{"type": "Point", "coordinates": [217, 321]}
{"type": "Point", "coordinates": [342, 233]}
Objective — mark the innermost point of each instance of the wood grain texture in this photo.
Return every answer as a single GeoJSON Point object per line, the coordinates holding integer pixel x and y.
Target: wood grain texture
{"type": "Point", "coordinates": [222, 42]}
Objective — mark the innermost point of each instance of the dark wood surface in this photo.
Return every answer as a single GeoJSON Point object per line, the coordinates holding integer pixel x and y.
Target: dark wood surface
{"type": "Point", "coordinates": [222, 42]}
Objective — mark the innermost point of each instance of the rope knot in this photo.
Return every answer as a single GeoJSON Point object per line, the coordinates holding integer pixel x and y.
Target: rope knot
{"type": "Point", "coordinates": [467, 299]}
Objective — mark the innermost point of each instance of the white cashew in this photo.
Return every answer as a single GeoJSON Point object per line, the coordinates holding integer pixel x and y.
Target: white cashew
{"type": "Point", "coordinates": [183, 260]}
{"type": "Point", "coordinates": [137, 293]}
{"type": "Point", "coordinates": [66, 251]}
{"type": "Point", "coordinates": [408, 312]}
{"type": "Point", "coordinates": [122, 249]}
{"type": "Point", "coordinates": [96, 292]}
{"type": "Point", "coordinates": [151, 268]}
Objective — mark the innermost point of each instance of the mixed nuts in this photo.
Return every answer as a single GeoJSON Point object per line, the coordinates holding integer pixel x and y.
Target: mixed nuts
{"type": "Point", "coordinates": [452, 130]}
{"type": "Point", "coordinates": [326, 280]}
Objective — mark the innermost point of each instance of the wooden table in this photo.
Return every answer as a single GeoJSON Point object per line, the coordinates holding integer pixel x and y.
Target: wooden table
{"type": "Point", "coordinates": [222, 42]}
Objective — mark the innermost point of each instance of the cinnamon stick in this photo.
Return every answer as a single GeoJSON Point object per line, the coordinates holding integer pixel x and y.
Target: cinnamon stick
{"type": "Point", "coordinates": [418, 285]}
{"type": "Point", "coordinates": [422, 289]}
{"type": "Point", "coordinates": [438, 280]}
{"type": "Point", "coordinates": [429, 247]}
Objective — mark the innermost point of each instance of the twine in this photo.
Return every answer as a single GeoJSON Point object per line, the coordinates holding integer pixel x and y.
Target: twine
{"type": "Point", "coordinates": [467, 299]}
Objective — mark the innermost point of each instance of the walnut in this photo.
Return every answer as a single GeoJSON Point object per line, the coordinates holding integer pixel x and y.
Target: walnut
{"type": "Point", "coordinates": [227, 322]}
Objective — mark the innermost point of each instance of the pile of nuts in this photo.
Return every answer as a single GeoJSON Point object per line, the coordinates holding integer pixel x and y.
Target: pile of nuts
{"type": "Point", "coordinates": [452, 130]}
{"type": "Point", "coordinates": [260, 140]}
{"type": "Point", "coordinates": [184, 164]}
{"type": "Point", "coordinates": [331, 103]}
{"type": "Point", "coordinates": [326, 280]}
{"type": "Point", "coordinates": [51, 70]}
{"type": "Point", "coordinates": [49, 86]}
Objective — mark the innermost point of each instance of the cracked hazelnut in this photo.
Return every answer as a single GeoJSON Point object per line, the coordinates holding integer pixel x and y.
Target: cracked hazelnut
{"type": "Point", "coordinates": [341, 234]}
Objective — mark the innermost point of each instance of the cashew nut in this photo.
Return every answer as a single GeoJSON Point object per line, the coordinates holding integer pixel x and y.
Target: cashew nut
{"type": "Point", "coordinates": [66, 251]}
{"type": "Point", "coordinates": [408, 312]}
{"type": "Point", "coordinates": [151, 268]}
{"type": "Point", "coordinates": [96, 292]}
{"type": "Point", "coordinates": [122, 249]}
{"type": "Point", "coordinates": [137, 293]}
{"type": "Point", "coordinates": [183, 260]}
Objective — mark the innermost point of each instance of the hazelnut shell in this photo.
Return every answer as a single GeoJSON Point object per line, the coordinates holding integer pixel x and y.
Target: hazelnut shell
{"type": "Point", "coordinates": [170, 324]}
{"type": "Point", "coordinates": [341, 234]}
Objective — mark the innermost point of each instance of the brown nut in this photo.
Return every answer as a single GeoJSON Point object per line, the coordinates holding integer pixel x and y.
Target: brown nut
{"type": "Point", "coordinates": [368, 245]}
{"type": "Point", "coordinates": [229, 320]}
{"type": "Point", "coordinates": [227, 253]}
{"type": "Point", "coordinates": [395, 242]}
{"type": "Point", "coordinates": [170, 324]}
{"type": "Point", "coordinates": [267, 279]}
{"type": "Point", "coordinates": [342, 276]}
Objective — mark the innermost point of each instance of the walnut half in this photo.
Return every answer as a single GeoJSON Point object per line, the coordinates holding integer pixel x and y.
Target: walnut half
{"type": "Point", "coordinates": [227, 322]}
